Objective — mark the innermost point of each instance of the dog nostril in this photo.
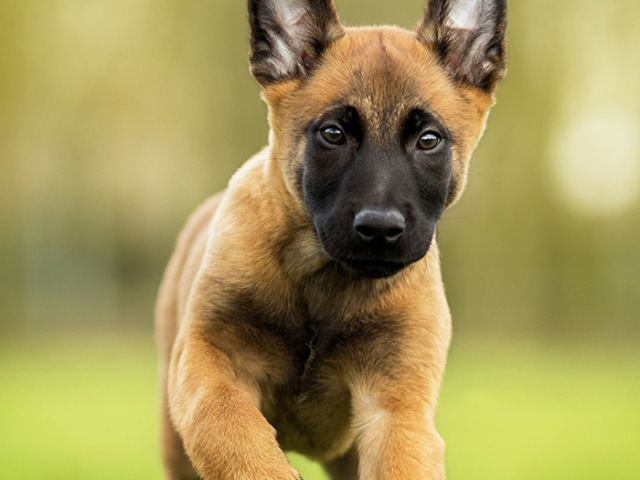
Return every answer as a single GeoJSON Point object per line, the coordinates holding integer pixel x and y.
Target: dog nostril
{"type": "Point", "coordinates": [393, 234]}
{"type": "Point", "coordinates": [365, 233]}
{"type": "Point", "coordinates": [385, 225]}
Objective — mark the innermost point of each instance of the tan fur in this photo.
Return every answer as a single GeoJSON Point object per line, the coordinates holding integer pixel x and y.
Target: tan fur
{"type": "Point", "coordinates": [225, 372]}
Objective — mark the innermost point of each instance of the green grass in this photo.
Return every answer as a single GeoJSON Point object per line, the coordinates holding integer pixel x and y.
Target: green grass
{"type": "Point", "coordinates": [80, 408]}
{"type": "Point", "coordinates": [517, 411]}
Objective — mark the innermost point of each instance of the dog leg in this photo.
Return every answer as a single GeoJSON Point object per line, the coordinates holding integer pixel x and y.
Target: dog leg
{"type": "Point", "coordinates": [225, 435]}
{"type": "Point", "coordinates": [176, 463]}
{"type": "Point", "coordinates": [397, 439]}
{"type": "Point", "coordinates": [344, 467]}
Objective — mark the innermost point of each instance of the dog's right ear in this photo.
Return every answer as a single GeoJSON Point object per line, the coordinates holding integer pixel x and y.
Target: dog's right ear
{"type": "Point", "coordinates": [288, 37]}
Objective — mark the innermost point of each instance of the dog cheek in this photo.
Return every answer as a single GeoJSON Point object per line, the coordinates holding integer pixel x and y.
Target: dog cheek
{"type": "Point", "coordinates": [457, 184]}
{"type": "Point", "coordinates": [435, 187]}
{"type": "Point", "coordinates": [454, 190]}
{"type": "Point", "coordinates": [298, 175]}
{"type": "Point", "coordinates": [318, 192]}
{"type": "Point", "coordinates": [320, 177]}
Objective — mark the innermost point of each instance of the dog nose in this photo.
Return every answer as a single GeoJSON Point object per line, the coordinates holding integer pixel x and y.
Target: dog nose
{"type": "Point", "coordinates": [386, 225]}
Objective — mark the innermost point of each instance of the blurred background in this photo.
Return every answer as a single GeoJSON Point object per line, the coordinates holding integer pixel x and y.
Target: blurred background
{"type": "Point", "coordinates": [118, 118]}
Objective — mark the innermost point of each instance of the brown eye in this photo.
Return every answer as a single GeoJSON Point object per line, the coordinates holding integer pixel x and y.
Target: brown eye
{"type": "Point", "coordinates": [333, 135]}
{"type": "Point", "coordinates": [429, 141]}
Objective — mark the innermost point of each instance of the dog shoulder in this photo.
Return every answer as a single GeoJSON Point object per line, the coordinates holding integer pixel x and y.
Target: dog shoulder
{"type": "Point", "coordinates": [182, 268]}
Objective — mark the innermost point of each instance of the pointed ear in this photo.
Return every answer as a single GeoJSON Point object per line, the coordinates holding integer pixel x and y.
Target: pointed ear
{"type": "Point", "coordinates": [469, 38]}
{"type": "Point", "coordinates": [289, 36]}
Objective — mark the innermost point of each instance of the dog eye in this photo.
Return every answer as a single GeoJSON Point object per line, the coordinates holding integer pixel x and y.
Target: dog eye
{"type": "Point", "coordinates": [333, 135]}
{"type": "Point", "coordinates": [429, 141]}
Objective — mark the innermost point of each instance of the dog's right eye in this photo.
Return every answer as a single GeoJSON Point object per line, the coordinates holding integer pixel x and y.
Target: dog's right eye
{"type": "Point", "coordinates": [333, 135]}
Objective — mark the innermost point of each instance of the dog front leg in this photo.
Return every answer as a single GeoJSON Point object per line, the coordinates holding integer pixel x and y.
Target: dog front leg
{"type": "Point", "coordinates": [224, 434]}
{"type": "Point", "coordinates": [396, 438]}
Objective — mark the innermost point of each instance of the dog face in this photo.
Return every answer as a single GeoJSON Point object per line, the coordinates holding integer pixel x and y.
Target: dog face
{"type": "Point", "coordinates": [373, 127]}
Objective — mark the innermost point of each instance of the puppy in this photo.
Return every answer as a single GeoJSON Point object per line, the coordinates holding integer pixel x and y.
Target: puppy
{"type": "Point", "coordinates": [303, 308]}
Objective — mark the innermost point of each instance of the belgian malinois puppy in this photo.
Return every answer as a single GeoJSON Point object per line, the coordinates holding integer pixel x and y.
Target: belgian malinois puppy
{"type": "Point", "coordinates": [304, 308]}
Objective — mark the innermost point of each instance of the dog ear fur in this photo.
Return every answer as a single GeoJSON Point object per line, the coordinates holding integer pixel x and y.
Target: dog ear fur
{"type": "Point", "coordinates": [289, 36]}
{"type": "Point", "coordinates": [469, 38]}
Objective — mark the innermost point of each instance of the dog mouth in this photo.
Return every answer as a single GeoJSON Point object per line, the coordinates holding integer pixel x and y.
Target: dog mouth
{"type": "Point", "coordinates": [374, 268]}
{"type": "Point", "coordinates": [372, 262]}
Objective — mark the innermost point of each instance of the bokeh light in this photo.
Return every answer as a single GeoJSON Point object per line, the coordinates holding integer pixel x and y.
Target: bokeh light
{"type": "Point", "coordinates": [596, 163]}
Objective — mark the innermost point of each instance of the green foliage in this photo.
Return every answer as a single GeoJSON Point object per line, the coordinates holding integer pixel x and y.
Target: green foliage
{"type": "Point", "coordinates": [119, 117]}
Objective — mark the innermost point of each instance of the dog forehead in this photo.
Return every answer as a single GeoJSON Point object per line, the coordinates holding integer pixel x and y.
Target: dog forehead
{"type": "Point", "coordinates": [384, 73]}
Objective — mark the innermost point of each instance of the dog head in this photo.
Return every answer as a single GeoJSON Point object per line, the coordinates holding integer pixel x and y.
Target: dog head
{"type": "Point", "coordinates": [373, 128]}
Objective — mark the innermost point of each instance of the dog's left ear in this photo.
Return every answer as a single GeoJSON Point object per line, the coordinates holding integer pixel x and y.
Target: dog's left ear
{"type": "Point", "coordinates": [469, 38]}
{"type": "Point", "coordinates": [288, 37]}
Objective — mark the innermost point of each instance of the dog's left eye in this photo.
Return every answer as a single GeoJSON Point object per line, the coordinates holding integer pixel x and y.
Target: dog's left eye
{"type": "Point", "coordinates": [333, 135]}
{"type": "Point", "coordinates": [429, 141]}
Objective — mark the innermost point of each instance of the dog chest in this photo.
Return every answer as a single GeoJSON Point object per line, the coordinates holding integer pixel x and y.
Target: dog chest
{"type": "Point", "coordinates": [299, 366]}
